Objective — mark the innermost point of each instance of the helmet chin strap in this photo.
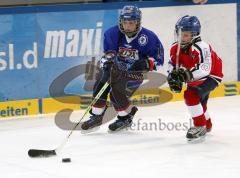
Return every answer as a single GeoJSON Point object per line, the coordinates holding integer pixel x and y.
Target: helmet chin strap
{"type": "Point", "coordinates": [195, 38]}
{"type": "Point", "coordinates": [187, 44]}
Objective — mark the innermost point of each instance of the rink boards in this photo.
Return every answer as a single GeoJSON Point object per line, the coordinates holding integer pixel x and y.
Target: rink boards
{"type": "Point", "coordinates": [55, 52]}
{"type": "Point", "coordinates": [146, 98]}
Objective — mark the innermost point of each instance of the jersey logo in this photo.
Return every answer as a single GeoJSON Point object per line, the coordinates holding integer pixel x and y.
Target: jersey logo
{"type": "Point", "coordinates": [205, 67]}
{"type": "Point", "coordinates": [127, 53]}
{"type": "Point", "coordinates": [142, 40]}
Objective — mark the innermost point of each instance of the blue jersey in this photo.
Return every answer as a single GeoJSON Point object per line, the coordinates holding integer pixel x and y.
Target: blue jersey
{"type": "Point", "coordinates": [144, 44]}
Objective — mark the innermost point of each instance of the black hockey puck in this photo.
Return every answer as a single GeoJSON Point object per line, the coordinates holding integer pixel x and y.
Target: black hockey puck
{"type": "Point", "coordinates": [66, 160]}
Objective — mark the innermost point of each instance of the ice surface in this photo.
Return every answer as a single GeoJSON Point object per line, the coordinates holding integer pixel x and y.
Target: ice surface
{"type": "Point", "coordinates": [137, 153]}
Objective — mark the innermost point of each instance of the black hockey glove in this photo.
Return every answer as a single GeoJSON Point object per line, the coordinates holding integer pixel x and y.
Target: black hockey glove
{"type": "Point", "coordinates": [146, 64]}
{"type": "Point", "coordinates": [185, 75]}
{"type": "Point", "coordinates": [174, 81]}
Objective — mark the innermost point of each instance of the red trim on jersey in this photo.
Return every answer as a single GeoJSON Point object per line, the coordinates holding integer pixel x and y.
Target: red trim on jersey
{"type": "Point", "coordinates": [151, 63]}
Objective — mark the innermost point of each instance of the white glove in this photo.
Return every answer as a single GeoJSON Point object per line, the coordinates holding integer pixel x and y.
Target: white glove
{"type": "Point", "coordinates": [103, 61]}
{"type": "Point", "coordinates": [106, 59]}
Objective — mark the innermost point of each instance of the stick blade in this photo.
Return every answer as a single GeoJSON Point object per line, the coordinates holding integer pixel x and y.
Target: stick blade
{"type": "Point", "coordinates": [34, 153]}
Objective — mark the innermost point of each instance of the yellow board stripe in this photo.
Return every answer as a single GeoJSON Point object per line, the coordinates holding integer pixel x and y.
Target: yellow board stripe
{"type": "Point", "coordinates": [18, 108]}
{"type": "Point", "coordinates": [150, 96]}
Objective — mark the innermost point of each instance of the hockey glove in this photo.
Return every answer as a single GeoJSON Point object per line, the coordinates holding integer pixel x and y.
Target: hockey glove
{"type": "Point", "coordinates": [107, 60]}
{"type": "Point", "coordinates": [143, 65]}
{"type": "Point", "coordinates": [185, 75]}
{"type": "Point", "coordinates": [174, 81]}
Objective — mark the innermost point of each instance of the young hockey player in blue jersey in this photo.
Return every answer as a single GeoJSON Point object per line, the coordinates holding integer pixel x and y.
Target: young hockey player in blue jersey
{"type": "Point", "coordinates": [135, 49]}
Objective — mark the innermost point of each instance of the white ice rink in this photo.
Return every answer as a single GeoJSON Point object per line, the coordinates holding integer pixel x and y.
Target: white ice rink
{"type": "Point", "coordinates": [129, 154]}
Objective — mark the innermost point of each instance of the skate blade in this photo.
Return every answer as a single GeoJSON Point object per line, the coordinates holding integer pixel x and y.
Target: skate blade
{"type": "Point", "coordinates": [196, 140]}
{"type": "Point", "coordinates": [94, 129]}
{"type": "Point", "coordinates": [120, 129]}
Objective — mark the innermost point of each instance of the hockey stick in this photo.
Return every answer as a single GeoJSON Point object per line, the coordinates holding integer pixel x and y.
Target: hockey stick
{"type": "Point", "coordinates": [36, 153]}
{"type": "Point", "coordinates": [179, 33]}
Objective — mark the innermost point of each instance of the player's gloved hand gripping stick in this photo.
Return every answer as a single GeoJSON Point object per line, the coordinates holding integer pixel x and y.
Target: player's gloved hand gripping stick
{"type": "Point", "coordinates": [173, 77]}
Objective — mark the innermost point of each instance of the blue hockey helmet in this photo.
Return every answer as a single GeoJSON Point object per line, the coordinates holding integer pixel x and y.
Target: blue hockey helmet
{"type": "Point", "coordinates": [130, 13]}
{"type": "Point", "coordinates": [189, 24]}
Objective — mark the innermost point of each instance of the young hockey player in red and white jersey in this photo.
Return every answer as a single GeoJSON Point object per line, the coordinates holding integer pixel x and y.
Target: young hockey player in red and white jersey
{"type": "Point", "coordinates": [195, 63]}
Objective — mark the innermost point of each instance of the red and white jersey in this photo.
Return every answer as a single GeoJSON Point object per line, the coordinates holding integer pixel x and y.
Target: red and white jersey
{"type": "Point", "coordinates": [201, 60]}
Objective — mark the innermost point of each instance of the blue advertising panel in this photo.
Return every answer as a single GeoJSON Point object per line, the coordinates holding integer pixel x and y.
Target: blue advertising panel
{"type": "Point", "coordinates": [35, 48]}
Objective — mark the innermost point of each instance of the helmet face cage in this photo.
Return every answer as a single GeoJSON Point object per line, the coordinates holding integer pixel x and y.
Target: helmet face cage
{"type": "Point", "coordinates": [187, 24]}
{"type": "Point", "coordinates": [130, 13]}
